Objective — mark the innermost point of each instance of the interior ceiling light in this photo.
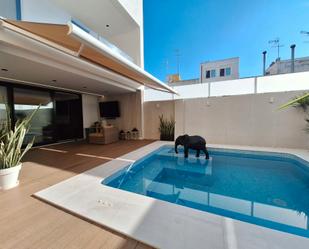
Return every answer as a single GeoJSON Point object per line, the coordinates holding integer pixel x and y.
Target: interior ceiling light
{"type": "Point", "coordinates": [107, 25]}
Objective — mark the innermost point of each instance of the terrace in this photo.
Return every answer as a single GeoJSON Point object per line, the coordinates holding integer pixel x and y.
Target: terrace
{"type": "Point", "coordinates": [40, 225]}
{"type": "Point", "coordinates": [98, 176]}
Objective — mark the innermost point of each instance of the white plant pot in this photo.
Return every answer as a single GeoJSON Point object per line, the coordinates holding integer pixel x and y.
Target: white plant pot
{"type": "Point", "coordinates": [9, 177]}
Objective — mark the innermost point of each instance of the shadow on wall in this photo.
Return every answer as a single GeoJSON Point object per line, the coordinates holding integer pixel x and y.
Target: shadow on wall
{"type": "Point", "coordinates": [152, 112]}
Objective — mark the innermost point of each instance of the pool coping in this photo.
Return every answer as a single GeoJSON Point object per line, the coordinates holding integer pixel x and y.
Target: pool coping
{"type": "Point", "coordinates": [158, 223]}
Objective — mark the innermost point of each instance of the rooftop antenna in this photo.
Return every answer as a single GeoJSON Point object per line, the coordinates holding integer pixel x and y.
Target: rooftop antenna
{"type": "Point", "coordinates": [177, 54]}
{"type": "Point", "coordinates": [166, 68]}
{"type": "Point", "coordinates": [276, 44]}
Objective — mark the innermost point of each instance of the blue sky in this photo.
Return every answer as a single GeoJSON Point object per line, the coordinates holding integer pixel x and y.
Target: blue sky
{"type": "Point", "coordinates": [216, 29]}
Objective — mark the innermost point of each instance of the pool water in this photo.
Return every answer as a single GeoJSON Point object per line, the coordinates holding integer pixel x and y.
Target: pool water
{"type": "Point", "coordinates": [267, 189]}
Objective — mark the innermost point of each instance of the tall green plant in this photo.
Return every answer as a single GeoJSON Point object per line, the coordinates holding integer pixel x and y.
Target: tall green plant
{"type": "Point", "coordinates": [11, 140]}
{"type": "Point", "coordinates": [166, 128]}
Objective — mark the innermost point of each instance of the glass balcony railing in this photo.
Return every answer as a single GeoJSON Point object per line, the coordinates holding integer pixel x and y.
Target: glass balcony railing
{"type": "Point", "coordinates": [114, 48]}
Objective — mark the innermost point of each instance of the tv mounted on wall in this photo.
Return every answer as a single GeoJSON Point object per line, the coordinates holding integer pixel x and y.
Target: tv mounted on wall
{"type": "Point", "coordinates": [109, 109]}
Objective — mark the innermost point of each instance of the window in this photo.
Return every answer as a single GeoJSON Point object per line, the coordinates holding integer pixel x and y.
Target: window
{"type": "Point", "coordinates": [210, 73]}
{"type": "Point", "coordinates": [207, 74]}
{"type": "Point", "coordinates": [222, 72]}
{"type": "Point", "coordinates": [228, 71]}
{"type": "Point", "coordinates": [213, 73]}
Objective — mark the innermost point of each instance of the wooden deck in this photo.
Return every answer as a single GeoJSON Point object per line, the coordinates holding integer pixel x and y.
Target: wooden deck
{"type": "Point", "coordinates": [26, 222]}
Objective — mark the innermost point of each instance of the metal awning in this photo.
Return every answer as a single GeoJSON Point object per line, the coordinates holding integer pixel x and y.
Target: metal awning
{"type": "Point", "coordinates": [74, 41]}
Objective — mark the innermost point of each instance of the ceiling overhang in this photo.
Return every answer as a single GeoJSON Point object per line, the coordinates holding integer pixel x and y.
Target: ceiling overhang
{"type": "Point", "coordinates": [75, 42]}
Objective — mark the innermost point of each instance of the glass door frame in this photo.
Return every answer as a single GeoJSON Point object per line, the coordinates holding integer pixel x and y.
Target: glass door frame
{"type": "Point", "coordinates": [10, 101]}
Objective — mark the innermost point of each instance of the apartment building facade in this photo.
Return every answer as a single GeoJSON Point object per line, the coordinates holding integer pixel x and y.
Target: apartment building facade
{"type": "Point", "coordinates": [219, 70]}
{"type": "Point", "coordinates": [211, 71]}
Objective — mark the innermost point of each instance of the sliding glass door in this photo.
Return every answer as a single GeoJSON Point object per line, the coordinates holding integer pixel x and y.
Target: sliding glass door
{"type": "Point", "coordinates": [28, 100]}
{"type": "Point", "coordinates": [68, 116]}
{"type": "Point", "coordinates": [59, 117]}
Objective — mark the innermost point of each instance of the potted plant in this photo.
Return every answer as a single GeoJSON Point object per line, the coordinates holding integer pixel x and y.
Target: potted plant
{"type": "Point", "coordinates": [166, 129]}
{"type": "Point", "coordinates": [11, 152]}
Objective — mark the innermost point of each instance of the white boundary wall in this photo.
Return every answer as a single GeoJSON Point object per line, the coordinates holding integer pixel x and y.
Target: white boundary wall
{"type": "Point", "coordinates": [253, 85]}
{"type": "Point", "coordinates": [252, 120]}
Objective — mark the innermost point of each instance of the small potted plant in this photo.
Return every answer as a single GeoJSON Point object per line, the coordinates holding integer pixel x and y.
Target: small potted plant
{"type": "Point", "coordinates": [135, 133]}
{"type": "Point", "coordinates": [11, 152]}
{"type": "Point", "coordinates": [166, 129]}
{"type": "Point", "coordinates": [122, 135]}
{"type": "Point", "coordinates": [128, 135]}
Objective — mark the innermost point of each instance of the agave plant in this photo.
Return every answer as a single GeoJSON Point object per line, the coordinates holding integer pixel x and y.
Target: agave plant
{"type": "Point", "coordinates": [302, 102]}
{"type": "Point", "coordinates": [11, 140]}
{"type": "Point", "coordinates": [166, 128]}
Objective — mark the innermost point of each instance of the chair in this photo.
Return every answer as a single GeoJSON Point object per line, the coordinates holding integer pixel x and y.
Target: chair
{"type": "Point", "coordinates": [104, 135]}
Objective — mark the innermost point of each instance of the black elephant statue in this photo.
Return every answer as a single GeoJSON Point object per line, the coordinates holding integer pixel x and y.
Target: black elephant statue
{"type": "Point", "coordinates": [192, 142]}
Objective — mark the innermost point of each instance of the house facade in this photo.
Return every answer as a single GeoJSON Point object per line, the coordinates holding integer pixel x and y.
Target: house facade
{"type": "Point", "coordinates": [67, 56]}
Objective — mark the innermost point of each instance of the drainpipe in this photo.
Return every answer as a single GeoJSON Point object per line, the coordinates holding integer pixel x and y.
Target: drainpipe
{"type": "Point", "coordinates": [293, 58]}
{"type": "Point", "coordinates": [264, 62]}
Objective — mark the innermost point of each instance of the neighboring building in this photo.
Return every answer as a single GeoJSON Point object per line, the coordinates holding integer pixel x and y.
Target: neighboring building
{"type": "Point", "coordinates": [210, 71]}
{"type": "Point", "coordinates": [219, 70]}
{"type": "Point", "coordinates": [66, 55]}
{"type": "Point", "coordinates": [285, 66]}
{"type": "Point", "coordinates": [173, 78]}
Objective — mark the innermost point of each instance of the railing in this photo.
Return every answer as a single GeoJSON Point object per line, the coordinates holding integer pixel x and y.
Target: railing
{"type": "Point", "coordinates": [253, 85]}
{"type": "Point", "coordinates": [101, 39]}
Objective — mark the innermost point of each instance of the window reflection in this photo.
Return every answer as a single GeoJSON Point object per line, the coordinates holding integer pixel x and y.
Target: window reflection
{"type": "Point", "coordinates": [25, 102]}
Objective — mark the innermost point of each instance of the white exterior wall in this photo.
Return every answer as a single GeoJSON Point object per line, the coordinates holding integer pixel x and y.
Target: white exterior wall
{"type": "Point", "coordinates": [134, 9]}
{"type": "Point", "coordinates": [134, 48]}
{"type": "Point", "coordinates": [232, 63]}
{"type": "Point", "coordinates": [252, 120]}
{"type": "Point", "coordinates": [264, 84]}
{"type": "Point", "coordinates": [90, 110]}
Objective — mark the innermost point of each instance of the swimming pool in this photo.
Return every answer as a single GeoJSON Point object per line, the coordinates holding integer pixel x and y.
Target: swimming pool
{"type": "Point", "coordinates": [266, 189]}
